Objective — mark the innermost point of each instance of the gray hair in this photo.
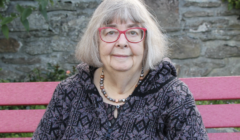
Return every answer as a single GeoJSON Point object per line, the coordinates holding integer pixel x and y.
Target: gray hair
{"type": "Point", "coordinates": [156, 46]}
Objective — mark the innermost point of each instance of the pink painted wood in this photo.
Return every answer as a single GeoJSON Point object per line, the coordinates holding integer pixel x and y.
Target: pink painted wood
{"type": "Point", "coordinates": [220, 116]}
{"type": "Point", "coordinates": [39, 93]}
{"type": "Point", "coordinates": [16, 121]}
{"type": "Point", "coordinates": [213, 117]}
{"type": "Point", "coordinates": [224, 136]}
{"type": "Point", "coordinates": [32, 93]}
{"type": "Point", "coordinates": [15, 138]}
{"type": "Point", "coordinates": [214, 88]}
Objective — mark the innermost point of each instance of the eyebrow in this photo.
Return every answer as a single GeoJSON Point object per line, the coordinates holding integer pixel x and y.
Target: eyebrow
{"type": "Point", "coordinates": [129, 26]}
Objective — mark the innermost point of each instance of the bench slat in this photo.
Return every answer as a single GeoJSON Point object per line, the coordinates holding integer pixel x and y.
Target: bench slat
{"type": "Point", "coordinates": [224, 136]}
{"type": "Point", "coordinates": [20, 121]}
{"type": "Point", "coordinates": [212, 136]}
{"type": "Point", "coordinates": [214, 116]}
{"type": "Point", "coordinates": [32, 93]}
{"type": "Point", "coordinates": [15, 138]}
{"type": "Point", "coordinates": [220, 116]}
{"type": "Point", "coordinates": [214, 88]}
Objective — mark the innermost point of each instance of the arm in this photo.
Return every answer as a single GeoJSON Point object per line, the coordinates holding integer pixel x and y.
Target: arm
{"type": "Point", "coordinates": [50, 124]}
{"type": "Point", "coordinates": [184, 120]}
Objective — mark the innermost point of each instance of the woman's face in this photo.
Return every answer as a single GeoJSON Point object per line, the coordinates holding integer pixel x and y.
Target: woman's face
{"type": "Point", "coordinates": [122, 55]}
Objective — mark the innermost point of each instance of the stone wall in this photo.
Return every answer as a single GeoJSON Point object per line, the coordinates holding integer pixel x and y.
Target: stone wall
{"type": "Point", "coordinates": [204, 36]}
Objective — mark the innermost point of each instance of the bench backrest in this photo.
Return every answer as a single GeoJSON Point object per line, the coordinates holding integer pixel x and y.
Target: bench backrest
{"type": "Point", "coordinates": [39, 93]}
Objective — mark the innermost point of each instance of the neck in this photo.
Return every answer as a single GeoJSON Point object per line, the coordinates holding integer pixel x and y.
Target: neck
{"type": "Point", "coordinates": [121, 83]}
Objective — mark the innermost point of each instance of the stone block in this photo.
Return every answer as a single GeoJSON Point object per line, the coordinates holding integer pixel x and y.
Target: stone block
{"type": "Point", "coordinates": [10, 45]}
{"type": "Point", "coordinates": [203, 4]}
{"type": "Point", "coordinates": [167, 13]}
{"type": "Point", "coordinates": [237, 38]}
{"type": "Point", "coordinates": [229, 13]}
{"type": "Point", "coordinates": [59, 6]}
{"type": "Point", "coordinates": [190, 14]}
{"type": "Point", "coordinates": [36, 22]}
{"type": "Point", "coordinates": [62, 44]}
{"type": "Point", "coordinates": [9, 75]}
{"type": "Point", "coordinates": [184, 47]}
{"type": "Point", "coordinates": [87, 5]}
{"type": "Point", "coordinates": [21, 60]}
{"type": "Point", "coordinates": [202, 28]}
{"type": "Point", "coordinates": [198, 67]}
{"type": "Point", "coordinates": [211, 23]}
{"type": "Point", "coordinates": [70, 58]}
{"type": "Point", "coordinates": [234, 27]}
{"type": "Point", "coordinates": [222, 51]}
{"type": "Point", "coordinates": [214, 35]}
{"type": "Point", "coordinates": [38, 46]}
{"type": "Point", "coordinates": [231, 69]}
{"type": "Point", "coordinates": [23, 69]}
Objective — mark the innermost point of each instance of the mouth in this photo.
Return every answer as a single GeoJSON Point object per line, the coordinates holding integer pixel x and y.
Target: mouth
{"type": "Point", "coordinates": [120, 55]}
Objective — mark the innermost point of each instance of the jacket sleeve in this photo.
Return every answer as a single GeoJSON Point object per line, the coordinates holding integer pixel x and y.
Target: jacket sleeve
{"type": "Point", "coordinates": [52, 120]}
{"type": "Point", "coordinates": [184, 121]}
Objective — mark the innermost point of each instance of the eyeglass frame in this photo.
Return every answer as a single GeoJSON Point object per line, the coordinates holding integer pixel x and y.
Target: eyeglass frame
{"type": "Point", "coordinates": [122, 32]}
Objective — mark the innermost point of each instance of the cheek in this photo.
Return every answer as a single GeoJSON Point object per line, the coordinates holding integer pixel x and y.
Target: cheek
{"type": "Point", "coordinates": [138, 50]}
{"type": "Point", "coordinates": [104, 49]}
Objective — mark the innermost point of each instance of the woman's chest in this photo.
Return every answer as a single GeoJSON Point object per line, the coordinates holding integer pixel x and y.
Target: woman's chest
{"type": "Point", "coordinates": [90, 119]}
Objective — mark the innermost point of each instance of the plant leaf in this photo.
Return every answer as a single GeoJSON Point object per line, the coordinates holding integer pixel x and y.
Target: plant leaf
{"type": "Point", "coordinates": [1, 3]}
{"type": "Point", "coordinates": [26, 12]}
{"type": "Point", "coordinates": [5, 30]}
{"type": "Point", "coordinates": [14, 15]}
{"type": "Point", "coordinates": [25, 24]}
{"type": "Point", "coordinates": [51, 1]}
{"type": "Point", "coordinates": [6, 20]}
{"type": "Point", "coordinates": [20, 8]}
{"type": "Point", "coordinates": [44, 13]}
{"type": "Point", "coordinates": [44, 3]}
{"type": "Point", "coordinates": [1, 17]}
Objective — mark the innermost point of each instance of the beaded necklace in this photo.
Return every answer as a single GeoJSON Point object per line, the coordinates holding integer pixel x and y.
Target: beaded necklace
{"type": "Point", "coordinates": [105, 93]}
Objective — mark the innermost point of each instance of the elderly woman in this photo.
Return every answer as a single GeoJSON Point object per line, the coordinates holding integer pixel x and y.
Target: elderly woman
{"type": "Point", "coordinates": [124, 89]}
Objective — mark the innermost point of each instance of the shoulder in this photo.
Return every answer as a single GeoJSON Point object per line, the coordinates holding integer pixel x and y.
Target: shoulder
{"type": "Point", "coordinates": [158, 78]}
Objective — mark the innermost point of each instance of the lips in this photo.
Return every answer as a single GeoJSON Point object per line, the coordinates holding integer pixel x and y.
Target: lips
{"type": "Point", "coordinates": [120, 55]}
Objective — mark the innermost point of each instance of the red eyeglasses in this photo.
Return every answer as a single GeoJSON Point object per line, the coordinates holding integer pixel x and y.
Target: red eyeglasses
{"type": "Point", "coordinates": [133, 35]}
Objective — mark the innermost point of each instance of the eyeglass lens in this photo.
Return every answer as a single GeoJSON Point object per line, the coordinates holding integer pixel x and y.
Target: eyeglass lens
{"type": "Point", "coordinates": [111, 35]}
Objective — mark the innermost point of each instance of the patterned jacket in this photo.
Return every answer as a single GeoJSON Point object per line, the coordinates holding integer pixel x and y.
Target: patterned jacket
{"type": "Point", "coordinates": [160, 108]}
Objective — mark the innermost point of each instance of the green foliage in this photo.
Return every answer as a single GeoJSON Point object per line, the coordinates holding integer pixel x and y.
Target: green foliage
{"type": "Point", "coordinates": [4, 22]}
{"type": "Point", "coordinates": [53, 73]}
{"type": "Point", "coordinates": [233, 4]}
{"type": "Point", "coordinates": [16, 135]}
{"type": "Point", "coordinates": [23, 13]}
{"type": "Point", "coordinates": [218, 102]}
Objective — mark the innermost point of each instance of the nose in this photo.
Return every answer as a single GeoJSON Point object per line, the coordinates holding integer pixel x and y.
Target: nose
{"type": "Point", "coordinates": [122, 41]}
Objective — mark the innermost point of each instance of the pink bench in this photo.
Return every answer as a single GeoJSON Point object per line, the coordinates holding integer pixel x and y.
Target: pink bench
{"type": "Point", "coordinates": [39, 93]}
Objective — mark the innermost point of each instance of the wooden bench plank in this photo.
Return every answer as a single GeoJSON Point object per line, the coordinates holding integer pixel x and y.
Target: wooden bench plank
{"type": "Point", "coordinates": [224, 136]}
{"type": "Point", "coordinates": [212, 136]}
{"type": "Point", "coordinates": [20, 121]}
{"type": "Point", "coordinates": [220, 116]}
{"type": "Point", "coordinates": [214, 116]}
{"type": "Point", "coordinates": [32, 93]}
{"type": "Point", "coordinates": [214, 88]}
{"type": "Point", "coordinates": [15, 138]}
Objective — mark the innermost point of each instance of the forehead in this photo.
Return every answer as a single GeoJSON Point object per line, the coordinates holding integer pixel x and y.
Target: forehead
{"type": "Point", "coordinates": [118, 22]}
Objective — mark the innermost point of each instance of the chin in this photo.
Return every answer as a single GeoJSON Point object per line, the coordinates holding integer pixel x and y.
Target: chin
{"type": "Point", "coordinates": [121, 67]}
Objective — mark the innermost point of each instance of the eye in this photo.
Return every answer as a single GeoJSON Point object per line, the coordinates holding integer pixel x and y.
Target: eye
{"type": "Point", "coordinates": [111, 32]}
{"type": "Point", "coordinates": [133, 32]}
